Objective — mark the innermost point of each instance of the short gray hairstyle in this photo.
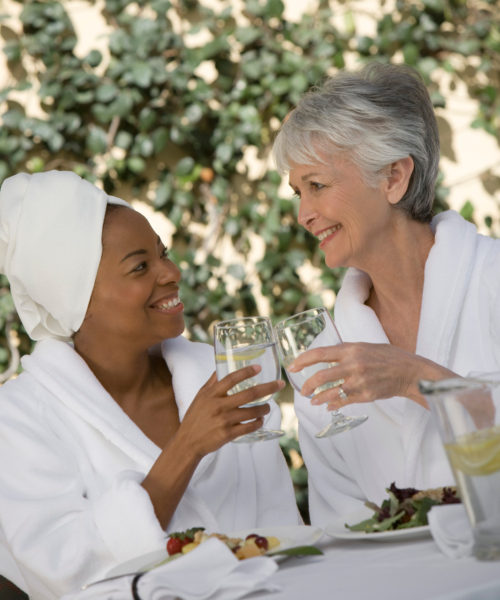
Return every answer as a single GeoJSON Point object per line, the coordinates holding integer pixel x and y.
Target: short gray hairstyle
{"type": "Point", "coordinates": [375, 116]}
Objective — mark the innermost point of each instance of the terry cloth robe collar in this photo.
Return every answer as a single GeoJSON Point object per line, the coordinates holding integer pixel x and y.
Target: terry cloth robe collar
{"type": "Point", "coordinates": [67, 377]}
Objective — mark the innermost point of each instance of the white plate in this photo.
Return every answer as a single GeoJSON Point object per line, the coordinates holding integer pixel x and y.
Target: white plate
{"type": "Point", "coordinates": [337, 529]}
{"type": "Point", "coordinates": [300, 535]}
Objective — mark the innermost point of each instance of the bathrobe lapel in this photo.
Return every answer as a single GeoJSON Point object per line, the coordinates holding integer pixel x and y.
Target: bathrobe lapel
{"type": "Point", "coordinates": [381, 433]}
{"type": "Point", "coordinates": [448, 273]}
{"type": "Point", "coordinates": [68, 379]}
{"type": "Point", "coordinates": [65, 375]}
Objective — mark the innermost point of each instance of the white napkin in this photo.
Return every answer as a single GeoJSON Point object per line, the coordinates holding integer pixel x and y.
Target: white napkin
{"type": "Point", "coordinates": [209, 572]}
{"type": "Point", "coordinates": [451, 530]}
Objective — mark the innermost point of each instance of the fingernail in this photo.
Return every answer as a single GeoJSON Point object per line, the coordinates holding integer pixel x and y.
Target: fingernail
{"type": "Point", "coordinates": [281, 384]}
{"type": "Point", "coordinates": [292, 368]}
{"type": "Point", "coordinates": [256, 368]}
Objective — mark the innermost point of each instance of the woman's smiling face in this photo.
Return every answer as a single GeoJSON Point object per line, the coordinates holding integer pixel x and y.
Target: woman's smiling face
{"type": "Point", "coordinates": [347, 216]}
{"type": "Point", "coordinates": [136, 293]}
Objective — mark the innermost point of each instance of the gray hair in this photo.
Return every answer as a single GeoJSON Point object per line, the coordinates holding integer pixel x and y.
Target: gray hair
{"type": "Point", "coordinates": [376, 116]}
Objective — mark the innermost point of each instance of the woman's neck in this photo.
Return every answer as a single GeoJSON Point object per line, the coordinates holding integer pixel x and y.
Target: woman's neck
{"type": "Point", "coordinates": [397, 276]}
{"type": "Point", "coordinates": [123, 372]}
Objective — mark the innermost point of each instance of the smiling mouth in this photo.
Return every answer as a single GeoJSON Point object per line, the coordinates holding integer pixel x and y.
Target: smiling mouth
{"type": "Point", "coordinates": [168, 304]}
{"type": "Point", "coordinates": [324, 234]}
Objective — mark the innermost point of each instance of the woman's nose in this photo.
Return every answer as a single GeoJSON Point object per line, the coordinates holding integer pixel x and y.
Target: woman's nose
{"type": "Point", "coordinates": [168, 272]}
{"type": "Point", "coordinates": [306, 216]}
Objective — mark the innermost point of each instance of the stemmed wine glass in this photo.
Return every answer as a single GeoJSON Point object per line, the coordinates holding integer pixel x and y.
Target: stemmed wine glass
{"type": "Point", "coordinates": [310, 329]}
{"type": "Point", "coordinates": [242, 342]}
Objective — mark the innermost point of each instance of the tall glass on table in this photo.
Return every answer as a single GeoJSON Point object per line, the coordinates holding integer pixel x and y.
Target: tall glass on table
{"type": "Point", "coordinates": [243, 342]}
{"type": "Point", "coordinates": [304, 331]}
{"type": "Point", "coordinates": [467, 413]}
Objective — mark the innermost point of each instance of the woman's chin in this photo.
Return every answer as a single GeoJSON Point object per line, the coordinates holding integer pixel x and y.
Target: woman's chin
{"type": "Point", "coordinates": [333, 262]}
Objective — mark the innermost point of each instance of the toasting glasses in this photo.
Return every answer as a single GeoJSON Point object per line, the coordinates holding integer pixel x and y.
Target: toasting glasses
{"type": "Point", "coordinates": [243, 342]}
{"type": "Point", "coordinates": [310, 329]}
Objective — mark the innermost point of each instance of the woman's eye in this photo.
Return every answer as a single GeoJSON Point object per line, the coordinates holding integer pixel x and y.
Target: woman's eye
{"type": "Point", "coordinates": [140, 267]}
{"type": "Point", "coordinates": [316, 186]}
{"type": "Point", "coordinates": [164, 253]}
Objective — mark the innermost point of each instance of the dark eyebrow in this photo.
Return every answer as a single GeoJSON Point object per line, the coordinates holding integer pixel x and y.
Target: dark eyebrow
{"type": "Point", "coordinates": [133, 253]}
{"type": "Point", "coordinates": [141, 251]}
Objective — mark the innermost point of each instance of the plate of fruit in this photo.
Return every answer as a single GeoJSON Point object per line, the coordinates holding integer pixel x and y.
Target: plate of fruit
{"type": "Point", "coordinates": [275, 542]}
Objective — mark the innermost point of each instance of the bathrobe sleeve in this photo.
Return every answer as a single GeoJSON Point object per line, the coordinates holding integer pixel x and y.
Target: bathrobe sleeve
{"type": "Point", "coordinates": [60, 533]}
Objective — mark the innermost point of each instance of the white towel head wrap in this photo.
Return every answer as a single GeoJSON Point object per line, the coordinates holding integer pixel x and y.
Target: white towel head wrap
{"type": "Point", "coordinates": [50, 248]}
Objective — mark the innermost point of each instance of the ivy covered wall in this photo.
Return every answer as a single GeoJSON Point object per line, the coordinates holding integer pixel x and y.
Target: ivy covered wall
{"type": "Point", "coordinates": [186, 102]}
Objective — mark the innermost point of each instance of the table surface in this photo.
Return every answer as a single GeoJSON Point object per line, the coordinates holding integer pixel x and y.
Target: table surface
{"type": "Point", "coordinates": [413, 569]}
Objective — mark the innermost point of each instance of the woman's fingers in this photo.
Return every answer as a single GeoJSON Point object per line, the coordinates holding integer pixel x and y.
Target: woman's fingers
{"type": "Point", "coordinates": [240, 389]}
{"type": "Point", "coordinates": [222, 416]}
{"type": "Point", "coordinates": [335, 376]}
{"type": "Point", "coordinates": [237, 377]}
{"type": "Point", "coordinates": [328, 354]}
{"type": "Point", "coordinates": [255, 392]}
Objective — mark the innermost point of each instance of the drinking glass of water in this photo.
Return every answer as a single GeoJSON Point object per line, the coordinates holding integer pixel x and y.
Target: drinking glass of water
{"type": "Point", "coordinates": [467, 414]}
{"type": "Point", "coordinates": [242, 342]}
{"type": "Point", "coordinates": [310, 329]}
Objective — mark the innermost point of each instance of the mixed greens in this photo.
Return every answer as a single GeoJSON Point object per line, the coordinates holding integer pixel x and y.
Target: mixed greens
{"type": "Point", "coordinates": [404, 508]}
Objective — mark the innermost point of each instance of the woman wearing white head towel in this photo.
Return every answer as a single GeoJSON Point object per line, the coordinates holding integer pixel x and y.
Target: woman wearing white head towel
{"type": "Point", "coordinates": [421, 297]}
{"type": "Point", "coordinates": [106, 439]}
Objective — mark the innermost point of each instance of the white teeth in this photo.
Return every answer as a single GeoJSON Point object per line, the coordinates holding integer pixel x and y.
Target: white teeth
{"type": "Point", "coordinates": [321, 236]}
{"type": "Point", "coordinates": [170, 303]}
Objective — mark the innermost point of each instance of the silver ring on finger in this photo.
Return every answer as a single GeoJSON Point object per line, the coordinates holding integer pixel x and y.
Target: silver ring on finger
{"type": "Point", "coordinates": [342, 394]}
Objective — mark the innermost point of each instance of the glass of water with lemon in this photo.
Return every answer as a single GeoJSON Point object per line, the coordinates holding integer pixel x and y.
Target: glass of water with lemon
{"type": "Point", "coordinates": [467, 412]}
{"type": "Point", "coordinates": [242, 342]}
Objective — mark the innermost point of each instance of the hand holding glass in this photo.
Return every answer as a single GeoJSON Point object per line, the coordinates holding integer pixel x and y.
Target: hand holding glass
{"type": "Point", "coordinates": [243, 342]}
{"type": "Point", "coordinates": [310, 329]}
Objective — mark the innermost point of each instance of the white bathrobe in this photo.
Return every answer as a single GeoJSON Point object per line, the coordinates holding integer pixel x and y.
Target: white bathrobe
{"type": "Point", "coordinates": [71, 503]}
{"type": "Point", "coordinates": [459, 328]}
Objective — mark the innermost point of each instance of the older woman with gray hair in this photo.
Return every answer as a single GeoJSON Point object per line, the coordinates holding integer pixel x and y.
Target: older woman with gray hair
{"type": "Point", "coordinates": [115, 434]}
{"type": "Point", "coordinates": [421, 295]}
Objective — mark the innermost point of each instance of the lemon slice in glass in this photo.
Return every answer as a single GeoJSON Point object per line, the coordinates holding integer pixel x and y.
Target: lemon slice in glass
{"type": "Point", "coordinates": [476, 453]}
{"type": "Point", "coordinates": [239, 356]}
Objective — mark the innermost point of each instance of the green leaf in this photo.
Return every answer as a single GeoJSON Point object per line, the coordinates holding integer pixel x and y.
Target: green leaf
{"type": "Point", "coordinates": [467, 211]}
{"type": "Point", "coordinates": [141, 74]}
{"type": "Point", "coordinates": [247, 35]}
{"type": "Point", "coordinates": [106, 92]}
{"type": "Point", "coordinates": [185, 166]}
{"type": "Point", "coordinates": [93, 58]}
{"type": "Point", "coordinates": [136, 164]}
{"type": "Point", "coordinates": [274, 8]}
{"type": "Point", "coordinates": [366, 525]}
{"type": "Point", "coordinates": [224, 152]}
{"type": "Point", "coordinates": [147, 118]}
{"type": "Point", "coordinates": [12, 118]}
{"type": "Point", "coordinates": [97, 140]}
{"type": "Point", "coordinates": [36, 164]}
{"type": "Point", "coordinates": [237, 271]}
{"type": "Point", "coordinates": [123, 140]}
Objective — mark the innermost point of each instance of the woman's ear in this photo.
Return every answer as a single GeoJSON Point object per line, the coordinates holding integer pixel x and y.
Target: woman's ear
{"type": "Point", "coordinates": [398, 178]}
